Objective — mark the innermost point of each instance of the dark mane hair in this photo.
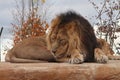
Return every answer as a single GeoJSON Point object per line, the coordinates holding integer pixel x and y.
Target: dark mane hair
{"type": "Point", "coordinates": [71, 16]}
{"type": "Point", "coordinates": [84, 29]}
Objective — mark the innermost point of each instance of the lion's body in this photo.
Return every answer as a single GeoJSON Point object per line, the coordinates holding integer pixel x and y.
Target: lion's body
{"type": "Point", "coordinates": [72, 39]}
{"type": "Point", "coordinates": [30, 50]}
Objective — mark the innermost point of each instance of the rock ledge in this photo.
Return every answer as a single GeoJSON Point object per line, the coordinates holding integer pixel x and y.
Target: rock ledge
{"type": "Point", "coordinates": [60, 71]}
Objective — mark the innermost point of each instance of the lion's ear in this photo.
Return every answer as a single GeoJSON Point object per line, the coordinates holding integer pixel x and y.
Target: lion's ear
{"type": "Point", "coordinates": [55, 22]}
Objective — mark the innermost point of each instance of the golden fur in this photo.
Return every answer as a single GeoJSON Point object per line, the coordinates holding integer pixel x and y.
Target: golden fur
{"type": "Point", "coordinates": [30, 50]}
{"type": "Point", "coordinates": [105, 48]}
{"type": "Point", "coordinates": [102, 44]}
{"type": "Point", "coordinates": [71, 39]}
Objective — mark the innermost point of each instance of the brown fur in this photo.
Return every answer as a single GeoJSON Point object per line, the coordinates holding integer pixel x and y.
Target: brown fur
{"type": "Point", "coordinates": [105, 47]}
{"type": "Point", "coordinates": [71, 39]}
{"type": "Point", "coordinates": [30, 50]}
{"type": "Point", "coordinates": [102, 44]}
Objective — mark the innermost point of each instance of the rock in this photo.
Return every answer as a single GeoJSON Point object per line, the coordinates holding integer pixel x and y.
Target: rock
{"type": "Point", "coordinates": [60, 71]}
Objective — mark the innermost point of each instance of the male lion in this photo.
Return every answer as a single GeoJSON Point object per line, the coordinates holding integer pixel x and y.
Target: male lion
{"type": "Point", "coordinates": [71, 39]}
{"type": "Point", "coordinates": [30, 50]}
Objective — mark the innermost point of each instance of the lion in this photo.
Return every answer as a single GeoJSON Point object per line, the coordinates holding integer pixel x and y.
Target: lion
{"type": "Point", "coordinates": [30, 50]}
{"type": "Point", "coordinates": [71, 39]}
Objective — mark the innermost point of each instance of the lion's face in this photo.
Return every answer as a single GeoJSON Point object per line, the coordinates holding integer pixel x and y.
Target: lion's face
{"type": "Point", "coordinates": [59, 43]}
{"type": "Point", "coordinates": [62, 40]}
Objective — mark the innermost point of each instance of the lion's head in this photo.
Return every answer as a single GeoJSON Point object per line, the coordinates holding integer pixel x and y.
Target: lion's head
{"type": "Point", "coordinates": [70, 34]}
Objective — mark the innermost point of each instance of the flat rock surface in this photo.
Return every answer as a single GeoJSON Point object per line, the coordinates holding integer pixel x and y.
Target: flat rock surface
{"type": "Point", "coordinates": [60, 71]}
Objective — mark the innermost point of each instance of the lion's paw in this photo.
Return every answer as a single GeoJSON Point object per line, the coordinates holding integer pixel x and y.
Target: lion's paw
{"type": "Point", "coordinates": [76, 59]}
{"type": "Point", "coordinates": [101, 58]}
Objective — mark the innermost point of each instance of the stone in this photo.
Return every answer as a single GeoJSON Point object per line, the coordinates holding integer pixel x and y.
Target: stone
{"type": "Point", "coordinates": [60, 71]}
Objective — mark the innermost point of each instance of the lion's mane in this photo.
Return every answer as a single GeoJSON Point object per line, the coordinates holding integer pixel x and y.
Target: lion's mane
{"type": "Point", "coordinates": [79, 32]}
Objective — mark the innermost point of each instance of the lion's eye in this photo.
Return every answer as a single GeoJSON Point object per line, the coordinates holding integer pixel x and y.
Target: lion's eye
{"type": "Point", "coordinates": [62, 41]}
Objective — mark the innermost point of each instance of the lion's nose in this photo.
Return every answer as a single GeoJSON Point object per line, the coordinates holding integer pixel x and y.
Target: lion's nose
{"type": "Point", "coordinates": [54, 51]}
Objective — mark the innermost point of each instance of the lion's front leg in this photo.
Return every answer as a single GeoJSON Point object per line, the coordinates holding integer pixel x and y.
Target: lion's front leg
{"type": "Point", "coordinates": [100, 57]}
{"type": "Point", "coordinates": [74, 58]}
